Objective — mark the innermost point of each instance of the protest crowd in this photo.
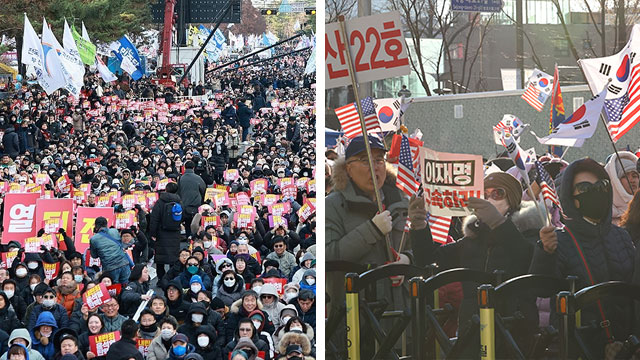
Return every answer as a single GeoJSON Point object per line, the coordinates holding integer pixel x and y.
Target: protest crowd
{"type": "Point", "coordinates": [143, 221]}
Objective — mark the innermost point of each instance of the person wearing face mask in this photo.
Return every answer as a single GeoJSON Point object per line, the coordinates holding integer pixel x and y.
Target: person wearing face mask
{"type": "Point", "coordinates": [126, 348]}
{"type": "Point", "coordinates": [159, 348]}
{"type": "Point", "coordinates": [180, 347]}
{"type": "Point", "coordinates": [623, 189]}
{"type": "Point", "coordinates": [67, 292]}
{"type": "Point", "coordinates": [271, 304]}
{"type": "Point", "coordinates": [193, 268]}
{"type": "Point", "coordinates": [195, 287]}
{"type": "Point", "coordinates": [221, 266]}
{"type": "Point", "coordinates": [8, 319]}
{"type": "Point", "coordinates": [586, 196]}
{"type": "Point", "coordinates": [242, 308]}
{"type": "Point", "coordinates": [42, 335]}
{"type": "Point", "coordinates": [230, 287]}
{"type": "Point", "coordinates": [308, 281]}
{"type": "Point", "coordinates": [21, 337]}
{"type": "Point", "coordinates": [136, 290]}
{"type": "Point", "coordinates": [49, 305]}
{"type": "Point", "coordinates": [233, 146]}
{"type": "Point", "coordinates": [17, 302]}
{"type": "Point", "coordinates": [297, 340]}
{"type": "Point", "coordinates": [245, 337]}
{"type": "Point", "coordinates": [206, 344]}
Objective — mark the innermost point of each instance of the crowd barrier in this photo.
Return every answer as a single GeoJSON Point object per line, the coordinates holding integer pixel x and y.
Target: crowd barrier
{"type": "Point", "coordinates": [419, 327]}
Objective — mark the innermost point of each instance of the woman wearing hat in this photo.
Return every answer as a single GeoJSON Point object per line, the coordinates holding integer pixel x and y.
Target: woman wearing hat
{"type": "Point", "coordinates": [493, 240]}
{"type": "Point", "coordinates": [623, 189]}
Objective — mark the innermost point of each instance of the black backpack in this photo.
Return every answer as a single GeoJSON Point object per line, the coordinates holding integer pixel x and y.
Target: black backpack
{"type": "Point", "coordinates": [171, 216]}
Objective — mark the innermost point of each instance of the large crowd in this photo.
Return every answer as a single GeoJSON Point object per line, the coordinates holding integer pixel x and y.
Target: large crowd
{"type": "Point", "coordinates": [220, 266]}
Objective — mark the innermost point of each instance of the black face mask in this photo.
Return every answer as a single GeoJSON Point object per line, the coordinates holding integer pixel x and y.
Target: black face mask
{"type": "Point", "coordinates": [149, 329]}
{"type": "Point", "coordinates": [592, 204]}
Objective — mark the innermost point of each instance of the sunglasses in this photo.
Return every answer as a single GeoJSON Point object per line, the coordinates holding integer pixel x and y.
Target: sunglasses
{"type": "Point", "coordinates": [225, 266]}
{"type": "Point", "coordinates": [192, 264]}
{"type": "Point", "coordinates": [585, 186]}
{"type": "Point", "coordinates": [244, 329]}
{"type": "Point", "coordinates": [495, 194]}
{"type": "Point", "coordinates": [278, 246]}
{"type": "Point", "coordinates": [49, 297]}
{"type": "Point", "coordinates": [229, 278]}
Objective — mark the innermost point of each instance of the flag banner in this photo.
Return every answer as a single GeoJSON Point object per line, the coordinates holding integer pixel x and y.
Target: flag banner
{"type": "Point", "coordinates": [620, 75]}
{"type": "Point", "coordinates": [86, 49]}
{"type": "Point", "coordinates": [406, 178]}
{"type": "Point", "coordinates": [509, 124]}
{"type": "Point", "coordinates": [51, 77]}
{"type": "Point", "coordinates": [557, 105]}
{"type": "Point", "coordinates": [449, 180]}
{"type": "Point", "coordinates": [520, 158]}
{"type": "Point", "coordinates": [350, 121]}
{"type": "Point", "coordinates": [127, 53]}
{"type": "Point", "coordinates": [19, 217]}
{"type": "Point", "coordinates": [578, 127]}
{"type": "Point", "coordinates": [32, 53]}
{"type": "Point", "coordinates": [310, 68]}
{"type": "Point", "coordinates": [71, 57]}
{"type": "Point", "coordinates": [104, 71]}
{"type": "Point", "coordinates": [439, 226]}
{"type": "Point", "coordinates": [538, 89]}
{"type": "Point", "coordinates": [389, 112]}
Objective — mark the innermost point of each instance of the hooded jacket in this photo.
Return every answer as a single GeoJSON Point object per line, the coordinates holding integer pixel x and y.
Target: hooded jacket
{"type": "Point", "coordinates": [23, 333]}
{"type": "Point", "coordinates": [293, 337]}
{"type": "Point", "coordinates": [254, 343]}
{"type": "Point", "coordinates": [211, 351]}
{"type": "Point", "coordinates": [10, 142]}
{"type": "Point", "coordinates": [167, 245]}
{"type": "Point", "coordinates": [157, 349]}
{"type": "Point", "coordinates": [238, 312]}
{"type": "Point", "coordinates": [228, 296]}
{"type": "Point", "coordinates": [621, 198]}
{"type": "Point", "coordinates": [185, 278]}
{"type": "Point", "coordinates": [608, 250]}
{"type": "Point", "coordinates": [8, 318]}
{"type": "Point", "coordinates": [262, 334]}
{"type": "Point", "coordinates": [189, 328]}
{"type": "Point", "coordinates": [58, 311]}
{"type": "Point", "coordinates": [179, 307]}
{"type": "Point", "coordinates": [48, 350]}
{"type": "Point", "coordinates": [172, 356]}
{"type": "Point", "coordinates": [124, 349]}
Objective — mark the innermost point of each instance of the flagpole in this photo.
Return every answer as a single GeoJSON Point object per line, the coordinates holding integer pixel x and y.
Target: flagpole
{"type": "Point", "coordinates": [363, 127]}
{"type": "Point", "coordinates": [544, 205]}
{"type": "Point", "coordinates": [604, 122]}
{"type": "Point", "coordinates": [565, 152]}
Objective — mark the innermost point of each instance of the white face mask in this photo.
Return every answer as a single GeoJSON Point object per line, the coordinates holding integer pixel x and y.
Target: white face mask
{"type": "Point", "coordinates": [166, 334]}
{"type": "Point", "coordinates": [195, 288]}
{"type": "Point", "coordinates": [286, 319]}
{"type": "Point", "coordinates": [197, 318]}
{"type": "Point", "coordinates": [33, 286]}
{"type": "Point", "coordinates": [290, 295]}
{"type": "Point", "coordinates": [46, 334]}
{"type": "Point", "coordinates": [257, 324]}
{"type": "Point", "coordinates": [48, 303]}
{"type": "Point", "coordinates": [311, 281]}
{"type": "Point", "coordinates": [294, 328]}
{"type": "Point", "coordinates": [229, 283]}
{"type": "Point", "coordinates": [203, 341]}
{"type": "Point", "coordinates": [257, 289]}
{"type": "Point", "coordinates": [32, 265]}
{"type": "Point", "coordinates": [22, 272]}
{"type": "Point", "coordinates": [9, 293]}
{"type": "Point", "coordinates": [207, 244]}
{"type": "Point", "coordinates": [243, 241]}
{"type": "Point", "coordinates": [501, 205]}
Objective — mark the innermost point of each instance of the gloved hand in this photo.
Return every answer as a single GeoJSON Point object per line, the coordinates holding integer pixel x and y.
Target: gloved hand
{"type": "Point", "coordinates": [383, 222]}
{"type": "Point", "coordinates": [486, 212]}
{"type": "Point", "coordinates": [62, 232]}
{"type": "Point", "coordinates": [549, 239]}
{"type": "Point", "coordinates": [417, 213]}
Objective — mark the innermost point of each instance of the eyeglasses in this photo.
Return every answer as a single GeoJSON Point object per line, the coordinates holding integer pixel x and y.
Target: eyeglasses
{"type": "Point", "coordinates": [585, 186]}
{"type": "Point", "coordinates": [365, 161]}
{"type": "Point", "coordinates": [495, 194]}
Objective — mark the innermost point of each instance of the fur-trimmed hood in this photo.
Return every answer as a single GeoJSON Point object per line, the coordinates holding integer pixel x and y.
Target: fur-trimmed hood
{"type": "Point", "coordinates": [237, 305]}
{"type": "Point", "coordinates": [295, 338]}
{"type": "Point", "coordinates": [525, 219]}
{"type": "Point", "coordinates": [340, 177]}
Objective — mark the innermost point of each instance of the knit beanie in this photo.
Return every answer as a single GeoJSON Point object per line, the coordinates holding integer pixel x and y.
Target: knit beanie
{"type": "Point", "coordinates": [511, 186]}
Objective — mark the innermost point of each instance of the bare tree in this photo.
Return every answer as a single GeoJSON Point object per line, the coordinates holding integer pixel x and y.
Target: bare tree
{"type": "Point", "coordinates": [335, 8]}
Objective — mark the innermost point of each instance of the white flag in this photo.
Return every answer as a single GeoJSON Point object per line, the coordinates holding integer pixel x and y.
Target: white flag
{"type": "Point", "coordinates": [389, 112]}
{"type": "Point", "coordinates": [31, 46]}
{"type": "Point", "coordinates": [85, 34]}
{"type": "Point", "coordinates": [51, 76]}
{"type": "Point", "coordinates": [75, 66]}
{"type": "Point", "coordinates": [104, 71]}
{"type": "Point", "coordinates": [509, 124]}
{"type": "Point", "coordinates": [67, 62]}
{"type": "Point", "coordinates": [581, 125]}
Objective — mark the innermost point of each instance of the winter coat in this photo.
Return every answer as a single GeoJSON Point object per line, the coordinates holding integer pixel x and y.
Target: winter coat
{"type": "Point", "coordinates": [244, 115]}
{"type": "Point", "coordinates": [219, 158]}
{"type": "Point", "coordinates": [212, 351]}
{"type": "Point", "coordinates": [191, 190]}
{"type": "Point", "coordinates": [308, 317]}
{"type": "Point", "coordinates": [47, 351]}
{"type": "Point", "coordinates": [293, 132]}
{"type": "Point", "coordinates": [157, 350]}
{"type": "Point", "coordinates": [172, 356]}
{"type": "Point", "coordinates": [287, 261]}
{"type": "Point", "coordinates": [167, 243]}
{"type": "Point", "coordinates": [237, 312]}
{"type": "Point", "coordinates": [291, 338]}
{"type": "Point", "coordinates": [351, 235]}
{"type": "Point", "coordinates": [256, 344]}
{"type": "Point", "coordinates": [233, 146]}
{"type": "Point", "coordinates": [130, 298]}
{"type": "Point", "coordinates": [185, 279]}
{"type": "Point", "coordinates": [59, 314]}
{"type": "Point", "coordinates": [503, 248]}
{"type": "Point", "coordinates": [8, 318]}
{"type": "Point", "coordinates": [189, 328]}
{"type": "Point", "coordinates": [84, 347]}
{"type": "Point", "coordinates": [228, 296]}
{"type": "Point", "coordinates": [10, 142]}
{"type": "Point", "coordinates": [112, 324]}
{"type": "Point", "coordinates": [621, 198]}
{"type": "Point", "coordinates": [124, 349]}
{"type": "Point", "coordinates": [179, 307]}
{"type": "Point", "coordinates": [67, 297]}
{"type": "Point", "coordinates": [107, 246]}
{"type": "Point", "coordinates": [230, 116]}
{"type": "Point", "coordinates": [609, 253]}
{"type": "Point", "coordinates": [23, 334]}
{"type": "Point", "coordinates": [273, 311]}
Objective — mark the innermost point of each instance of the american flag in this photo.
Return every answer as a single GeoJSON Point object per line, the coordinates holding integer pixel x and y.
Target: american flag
{"type": "Point", "coordinates": [415, 156]}
{"type": "Point", "coordinates": [439, 226]}
{"type": "Point", "coordinates": [534, 97]}
{"type": "Point", "coordinates": [622, 113]}
{"type": "Point", "coordinates": [350, 121]}
{"type": "Point", "coordinates": [407, 225]}
{"type": "Point", "coordinates": [546, 184]}
{"type": "Point", "coordinates": [406, 180]}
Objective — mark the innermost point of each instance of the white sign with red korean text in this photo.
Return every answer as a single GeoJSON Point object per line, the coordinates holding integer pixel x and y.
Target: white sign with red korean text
{"type": "Point", "coordinates": [377, 46]}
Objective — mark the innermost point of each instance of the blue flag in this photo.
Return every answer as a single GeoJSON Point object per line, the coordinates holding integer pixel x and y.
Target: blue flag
{"type": "Point", "coordinates": [128, 56]}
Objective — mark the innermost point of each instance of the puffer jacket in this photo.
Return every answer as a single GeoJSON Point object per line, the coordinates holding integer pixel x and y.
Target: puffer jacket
{"type": "Point", "coordinates": [23, 333]}
{"type": "Point", "coordinates": [212, 351]}
{"type": "Point", "coordinates": [107, 246]}
{"type": "Point", "coordinates": [237, 312]}
{"type": "Point", "coordinates": [621, 198]}
{"type": "Point", "coordinates": [47, 351]}
{"type": "Point", "coordinates": [8, 319]}
{"type": "Point", "coordinates": [609, 253]}
{"type": "Point", "coordinates": [158, 350]}
{"type": "Point", "coordinates": [58, 311]}
{"type": "Point", "coordinates": [10, 142]}
{"type": "Point", "coordinates": [167, 243]}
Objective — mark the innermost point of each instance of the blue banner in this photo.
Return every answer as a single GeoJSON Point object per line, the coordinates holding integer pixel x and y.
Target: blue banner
{"type": "Point", "coordinates": [129, 58]}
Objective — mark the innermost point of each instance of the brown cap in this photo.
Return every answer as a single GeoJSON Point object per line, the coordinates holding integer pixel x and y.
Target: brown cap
{"type": "Point", "coordinates": [511, 186]}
